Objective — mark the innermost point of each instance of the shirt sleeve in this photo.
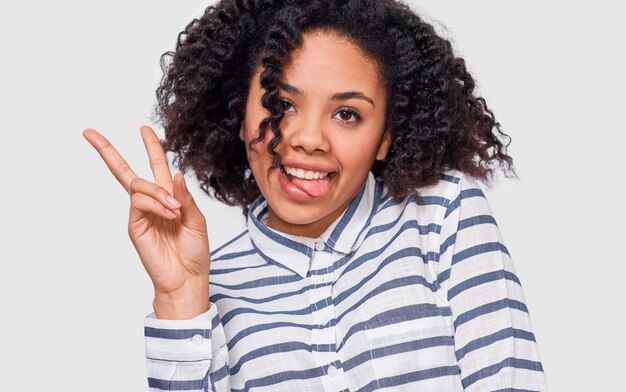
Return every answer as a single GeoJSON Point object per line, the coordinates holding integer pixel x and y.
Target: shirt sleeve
{"type": "Point", "coordinates": [187, 355]}
{"type": "Point", "coordinates": [494, 343]}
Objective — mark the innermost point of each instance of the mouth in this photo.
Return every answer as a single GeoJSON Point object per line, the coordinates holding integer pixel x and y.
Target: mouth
{"type": "Point", "coordinates": [290, 177]}
{"type": "Point", "coordinates": [303, 189]}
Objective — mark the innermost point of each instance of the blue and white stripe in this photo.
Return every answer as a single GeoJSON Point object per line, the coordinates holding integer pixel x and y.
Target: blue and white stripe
{"type": "Point", "coordinates": [403, 295]}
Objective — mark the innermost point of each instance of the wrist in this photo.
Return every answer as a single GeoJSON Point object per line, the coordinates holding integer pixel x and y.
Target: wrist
{"type": "Point", "coordinates": [183, 303]}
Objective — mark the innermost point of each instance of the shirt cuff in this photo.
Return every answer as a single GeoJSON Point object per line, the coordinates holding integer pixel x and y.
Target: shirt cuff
{"type": "Point", "coordinates": [184, 340]}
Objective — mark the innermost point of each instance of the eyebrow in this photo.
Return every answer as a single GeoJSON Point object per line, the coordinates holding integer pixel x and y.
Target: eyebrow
{"type": "Point", "coordinates": [335, 97]}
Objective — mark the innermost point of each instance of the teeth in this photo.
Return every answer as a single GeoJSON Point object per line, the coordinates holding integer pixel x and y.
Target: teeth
{"type": "Point", "coordinates": [305, 174]}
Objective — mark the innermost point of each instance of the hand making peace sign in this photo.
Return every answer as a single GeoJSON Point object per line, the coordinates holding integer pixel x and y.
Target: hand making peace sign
{"type": "Point", "coordinates": [171, 238]}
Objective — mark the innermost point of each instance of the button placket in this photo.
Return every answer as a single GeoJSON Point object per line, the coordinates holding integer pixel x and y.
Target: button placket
{"type": "Point", "coordinates": [322, 261]}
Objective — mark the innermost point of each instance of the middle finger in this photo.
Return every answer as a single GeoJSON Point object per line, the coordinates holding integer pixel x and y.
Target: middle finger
{"type": "Point", "coordinates": [158, 160]}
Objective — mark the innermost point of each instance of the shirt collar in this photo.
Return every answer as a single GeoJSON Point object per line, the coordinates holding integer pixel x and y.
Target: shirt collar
{"type": "Point", "coordinates": [293, 252]}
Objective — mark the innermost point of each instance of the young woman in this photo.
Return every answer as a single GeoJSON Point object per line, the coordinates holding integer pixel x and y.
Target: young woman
{"type": "Point", "coordinates": [351, 137]}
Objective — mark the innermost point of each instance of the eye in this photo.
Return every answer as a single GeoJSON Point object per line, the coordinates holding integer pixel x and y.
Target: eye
{"type": "Point", "coordinates": [345, 115]}
{"type": "Point", "coordinates": [285, 104]}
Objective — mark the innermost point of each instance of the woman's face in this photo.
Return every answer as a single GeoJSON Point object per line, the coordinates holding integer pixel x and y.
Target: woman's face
{"type": "Point", "coordinates": [333, 122]}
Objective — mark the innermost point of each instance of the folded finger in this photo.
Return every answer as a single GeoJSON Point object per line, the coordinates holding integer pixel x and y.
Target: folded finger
{"type": "Point", "coordinates": [142, 204]}
{"type": "Point", "coordinates": [155, 191]}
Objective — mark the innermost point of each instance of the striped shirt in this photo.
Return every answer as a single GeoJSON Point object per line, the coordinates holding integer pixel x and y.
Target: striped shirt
{"type": "Point", "coordinates": [418, 294]}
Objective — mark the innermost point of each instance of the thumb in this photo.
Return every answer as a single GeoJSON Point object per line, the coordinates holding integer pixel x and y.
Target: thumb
{"type": "Point", "coordinates": [191, 216]}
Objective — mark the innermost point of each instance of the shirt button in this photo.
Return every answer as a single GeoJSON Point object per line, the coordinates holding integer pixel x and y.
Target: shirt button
{"type": "Point", "coordinates": [319, 245]}
{"type": "Point", "coordinates": [331, 370]}
{"type": "Point", "coordinates": [197, 339]}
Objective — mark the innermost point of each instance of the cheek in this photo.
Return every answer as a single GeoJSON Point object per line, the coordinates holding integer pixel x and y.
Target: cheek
{"type": "Point", "coordinates": [355, 149]}
{"type": "Point", "coordinates": [257, 153]}
{"type": "Point", "coordinates": [253, 120]}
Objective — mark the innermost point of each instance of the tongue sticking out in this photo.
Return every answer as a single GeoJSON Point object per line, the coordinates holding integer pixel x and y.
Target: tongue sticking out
{"type": "Point", "coordinates": [312, 187]}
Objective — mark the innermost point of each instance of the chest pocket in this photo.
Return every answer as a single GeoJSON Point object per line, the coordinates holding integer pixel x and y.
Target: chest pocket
{"type": "Point", "coordinates": [412, 351]}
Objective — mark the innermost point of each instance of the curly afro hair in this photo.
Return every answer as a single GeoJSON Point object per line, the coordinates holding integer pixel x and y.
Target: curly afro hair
{"type": "Point", "coordinates": [438, 122]}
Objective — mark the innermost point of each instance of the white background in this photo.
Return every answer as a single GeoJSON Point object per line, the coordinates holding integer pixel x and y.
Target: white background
{"type": "Point", "coordinates": [73, 293]}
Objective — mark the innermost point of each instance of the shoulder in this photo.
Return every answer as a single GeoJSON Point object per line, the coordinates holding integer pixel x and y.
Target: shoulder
{"type": "Point", "coordinates": [437, 203]}
{"type": "Point", "coordinates": [452, 190]}
{"type": "Point", "coordinates": [230, 262]}
{"type": "Point", "coordinates": [232, 248]}
{"type": "Point", "coordinates": [452, 186]}
{"type": "Point", "coordinates": [464, 206]}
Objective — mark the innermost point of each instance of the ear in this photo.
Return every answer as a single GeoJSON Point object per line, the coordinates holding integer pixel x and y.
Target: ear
{"type": "Point", "coordinates": [385, 144]}
{"type": "Point", "coordinates": [241, 134]}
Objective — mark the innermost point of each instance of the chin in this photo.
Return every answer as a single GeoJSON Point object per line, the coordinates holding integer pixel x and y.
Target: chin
{"type": "Point", "coordinates": [297, 219]}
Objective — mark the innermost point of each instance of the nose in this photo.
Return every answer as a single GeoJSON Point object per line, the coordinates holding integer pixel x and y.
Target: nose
{"type": "Point", "coordinates": [307, 133]}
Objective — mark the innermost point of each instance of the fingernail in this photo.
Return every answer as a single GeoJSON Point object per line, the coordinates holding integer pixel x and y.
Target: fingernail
{"type": "Point", "coordinates": [184, 184]}
{"type": "Point", "coordinates": [173, 202]}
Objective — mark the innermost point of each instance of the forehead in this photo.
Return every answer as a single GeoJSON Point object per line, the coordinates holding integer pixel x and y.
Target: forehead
{"type": "Point", "coordinates": [328, 63]}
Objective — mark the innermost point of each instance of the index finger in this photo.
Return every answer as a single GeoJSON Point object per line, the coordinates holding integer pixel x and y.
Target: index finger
{"type": "Point", "coordinates": [114, 161]}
